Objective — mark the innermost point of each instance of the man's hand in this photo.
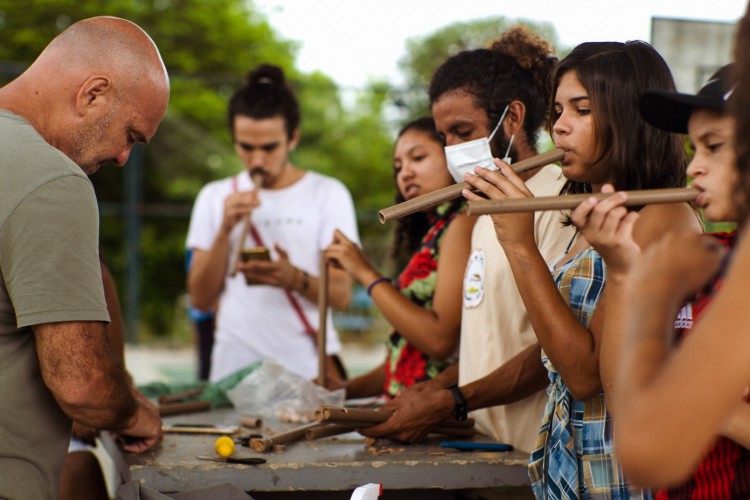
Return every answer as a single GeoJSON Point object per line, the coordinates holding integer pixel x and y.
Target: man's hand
{"type": "Point", "coordinates": [416, 410]}
{"type": "Point", "coordinates": [236, 206]}
{"type": "Point", "coordinates": [144, 430]}
{"type": "Point", "coordinates": [279, 273]}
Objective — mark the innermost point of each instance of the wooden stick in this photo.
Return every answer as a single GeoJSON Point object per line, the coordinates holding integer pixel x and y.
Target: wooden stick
{"type": "Point", "coordinates": [257, 179]}
{"type": "Point", "coordinates": [364, 418]}
{"type": "Point", "coordinates": [328, 430]}
{"type": "Point", "coordinates": [251, 422]}
{"type": "Point", "coordinates": [263, 445]}
{"type": "Point", "coordinates": [338, 429]}
{"type": "Point", "coordinates": [199, 429]}
{"type": "Point", "coordinates": [180, 396]}
{"type": "Point", "coordinates": [569, 202]}
{"type": "Point", "coordinates": [176, 408]}
{"type": "Point", "coordinates": [454, 191]}
{"type": "Point", "coordinates": [322, 319]}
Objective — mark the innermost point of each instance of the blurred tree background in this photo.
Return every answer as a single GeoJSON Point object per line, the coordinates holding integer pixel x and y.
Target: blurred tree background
{"type": "Point", "coordinates": [208, 48]}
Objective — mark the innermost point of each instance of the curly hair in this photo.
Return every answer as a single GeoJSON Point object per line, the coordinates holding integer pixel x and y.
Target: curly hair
{"type": "Point", "coordinates": [410, 230]}
{"type": "Point", "coordinates": [516, 66]}
{"type": "Point", "coordinates": [636, 154]}
{"type": "Point", "coordinates": [266, 94]}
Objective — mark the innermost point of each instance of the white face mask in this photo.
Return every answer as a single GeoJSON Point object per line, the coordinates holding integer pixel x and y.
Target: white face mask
{"type": "Point", "coordinates": [462, 158]}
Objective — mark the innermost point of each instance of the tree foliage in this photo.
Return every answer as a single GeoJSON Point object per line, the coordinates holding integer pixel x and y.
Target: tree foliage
{"type": "Point", "coordinates": [425, 54]}
{"type": "Point", "coordinates": [208, 48]}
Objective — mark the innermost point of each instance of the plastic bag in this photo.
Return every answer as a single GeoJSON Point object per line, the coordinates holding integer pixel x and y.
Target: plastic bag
{"type": "Point", "coordinates": [272, 391]}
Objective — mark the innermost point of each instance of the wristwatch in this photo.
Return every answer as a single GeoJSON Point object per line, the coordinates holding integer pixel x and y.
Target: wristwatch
{"type": "Point", "coordinates": [462, 409]}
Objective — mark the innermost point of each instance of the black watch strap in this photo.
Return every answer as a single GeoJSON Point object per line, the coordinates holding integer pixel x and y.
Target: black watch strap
{"type": "Point", "coordinates": [461, 409]}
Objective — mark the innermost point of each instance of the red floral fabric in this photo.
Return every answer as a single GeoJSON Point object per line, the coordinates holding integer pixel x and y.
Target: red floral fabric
{"type": "Point", "coordinates": [405, 364]}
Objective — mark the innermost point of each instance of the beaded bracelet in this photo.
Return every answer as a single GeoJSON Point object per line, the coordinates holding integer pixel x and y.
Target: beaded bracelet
{"type": "Point", "coordinates": [379, 280]}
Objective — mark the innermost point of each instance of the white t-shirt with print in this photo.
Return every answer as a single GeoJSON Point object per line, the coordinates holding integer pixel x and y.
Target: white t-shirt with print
{"type": "Point", "coordinates": [258, 322]}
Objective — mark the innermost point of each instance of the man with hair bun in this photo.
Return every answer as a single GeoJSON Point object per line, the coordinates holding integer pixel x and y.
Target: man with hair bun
{"type": "Point", "coordinates": [499, 361]}
{"type": "Point", "coordinates": [97, 89]}
{"type": "Point", "coordinates": [268, 308]}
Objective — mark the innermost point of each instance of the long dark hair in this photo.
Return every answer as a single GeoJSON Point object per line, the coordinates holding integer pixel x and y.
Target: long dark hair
{"type": "Point", "coordinates": [516, 66]}
{"type": "Point", "coordinates": [410, 230]}
{"type": "Point", "coordinates": [266, 95]}
{"type": "Point", "coordinates": [739, 106]}
{"type": "Point", "coordinates": [614, 74]}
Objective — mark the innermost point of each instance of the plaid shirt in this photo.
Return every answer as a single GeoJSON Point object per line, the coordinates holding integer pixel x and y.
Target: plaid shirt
{"type": "Point", "coordinates": [573, 457]}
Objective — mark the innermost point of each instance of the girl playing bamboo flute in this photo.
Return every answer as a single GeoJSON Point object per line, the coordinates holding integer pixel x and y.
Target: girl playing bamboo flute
{"type": "Point", "coordinates": [424, 305]}
{"type": "Point", "coordinates": [594, 119]}
{"type": "Point", "coordinates": [654, 438]}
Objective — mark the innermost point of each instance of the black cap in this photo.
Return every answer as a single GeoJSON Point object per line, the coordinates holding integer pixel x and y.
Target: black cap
{"type": "Point", "coordinates": [671, 110]}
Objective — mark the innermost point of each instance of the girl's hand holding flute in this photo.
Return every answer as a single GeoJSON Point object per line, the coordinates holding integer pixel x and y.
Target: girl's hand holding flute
{"type": "Point", "coordinates": [608, 226]}
{"type": "Point", "coordinates": [500, 185]}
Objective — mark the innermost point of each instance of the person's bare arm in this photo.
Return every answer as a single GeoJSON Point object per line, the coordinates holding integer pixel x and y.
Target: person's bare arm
{"type": "Point", "coordinates": [705, 377]}
{"type": "Point", "coordinates": [418, 409]}
{"type": "Point", "coordinates": [90, 384]}
{"type": "Point", "coordinates": [434, 332]}
{"type": "Point", "coordinates": [737, 427]}
{"type": "Point", "coordinates": [619, 236]}
{"type": "Point", "coordinates": [208, 268]}
{"type": "Point", "coordinates": [572, 347]}
{"type": "Point", "coordinates": [282, 273]}
{"type": "Point", "coordinates": [366, 385]}
{"type": "Point", "coordinates": [116, 326]}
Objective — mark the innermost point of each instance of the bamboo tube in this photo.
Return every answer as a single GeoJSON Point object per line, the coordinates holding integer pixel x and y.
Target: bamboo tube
{"type": "Point", "coordinates": [338, 429]}
{"type": "Point", "coordinates": [251, 422]}
{"type": "Point", "coordinates": [328, 430]}
{"type": "Point", "coordinates": [176, 408]}
{"type": "Point", "coordinates": [364, 418]}
{"type": "Point", "coordinates": [569, 202]}
{"type": "Point", "coordinates": [322, 319]}
{"type": "Point", "coordinates": [454, 191]}
{"type": "Point", "coordinates": [263, 445]}
{"type": "Point", "coordinates": [180, 396]}
{"type": "Point", "coordinates": [257, 179]}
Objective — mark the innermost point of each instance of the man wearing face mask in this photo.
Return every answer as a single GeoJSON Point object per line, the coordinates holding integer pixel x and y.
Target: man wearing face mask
{"type": "Point", "coordinates": [499, 361]}
{"type": "Point", "coordinates": [267, 308]}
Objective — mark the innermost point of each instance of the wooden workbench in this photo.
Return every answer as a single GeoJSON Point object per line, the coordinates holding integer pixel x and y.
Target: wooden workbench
{"type": "Point", "coordinates": [326, 466]}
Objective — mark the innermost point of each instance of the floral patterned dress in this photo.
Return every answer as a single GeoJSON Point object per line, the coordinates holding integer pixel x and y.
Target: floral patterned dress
{"type": "Point", "coordinates": [406, 365]}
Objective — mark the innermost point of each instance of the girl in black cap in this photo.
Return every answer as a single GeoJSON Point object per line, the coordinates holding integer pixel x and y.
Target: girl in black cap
{"type": "Point", "coordinates": [660, 440]}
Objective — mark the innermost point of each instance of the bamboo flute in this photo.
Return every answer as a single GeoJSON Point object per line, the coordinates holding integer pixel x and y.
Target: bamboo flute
{"type": "Point", "coordinates": [569, 202]}
{"type": "Point", "coordinates": [177, 408]}
{"type": "Point", "coordinates": [338, 429]}
{"type": "Point", "coordinates": [454, 191]}
{"type": "Point", "coordinates": [257, 179]}
{"type": "Point", "coordinates": [265, 444]}
{"type": "Point", "coordinates": [363, 417]}
{"type": "Point", "coordinates": [322, 319]}
{"type": "Point", "coordinates": [328, 430]}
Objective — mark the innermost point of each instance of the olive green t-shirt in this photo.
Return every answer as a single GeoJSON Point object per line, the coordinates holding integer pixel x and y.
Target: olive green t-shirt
{"type": "Point", "coordinates": [49, 272]}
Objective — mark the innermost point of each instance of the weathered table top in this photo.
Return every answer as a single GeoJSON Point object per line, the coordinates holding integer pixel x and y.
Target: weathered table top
{"type": "Point", "coordinates": [329, 464]}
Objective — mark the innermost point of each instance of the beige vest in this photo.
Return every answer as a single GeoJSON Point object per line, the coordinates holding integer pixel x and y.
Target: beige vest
{"type": "Point", "coordinates": [494, 323]}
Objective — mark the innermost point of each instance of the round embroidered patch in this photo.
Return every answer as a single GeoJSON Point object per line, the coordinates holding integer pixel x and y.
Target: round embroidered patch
{"type": "Point", "coordinates": [474, 280]}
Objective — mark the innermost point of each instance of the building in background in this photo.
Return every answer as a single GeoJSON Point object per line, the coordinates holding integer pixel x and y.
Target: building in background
{"type": "Point", "coordinates": [694, 50]}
